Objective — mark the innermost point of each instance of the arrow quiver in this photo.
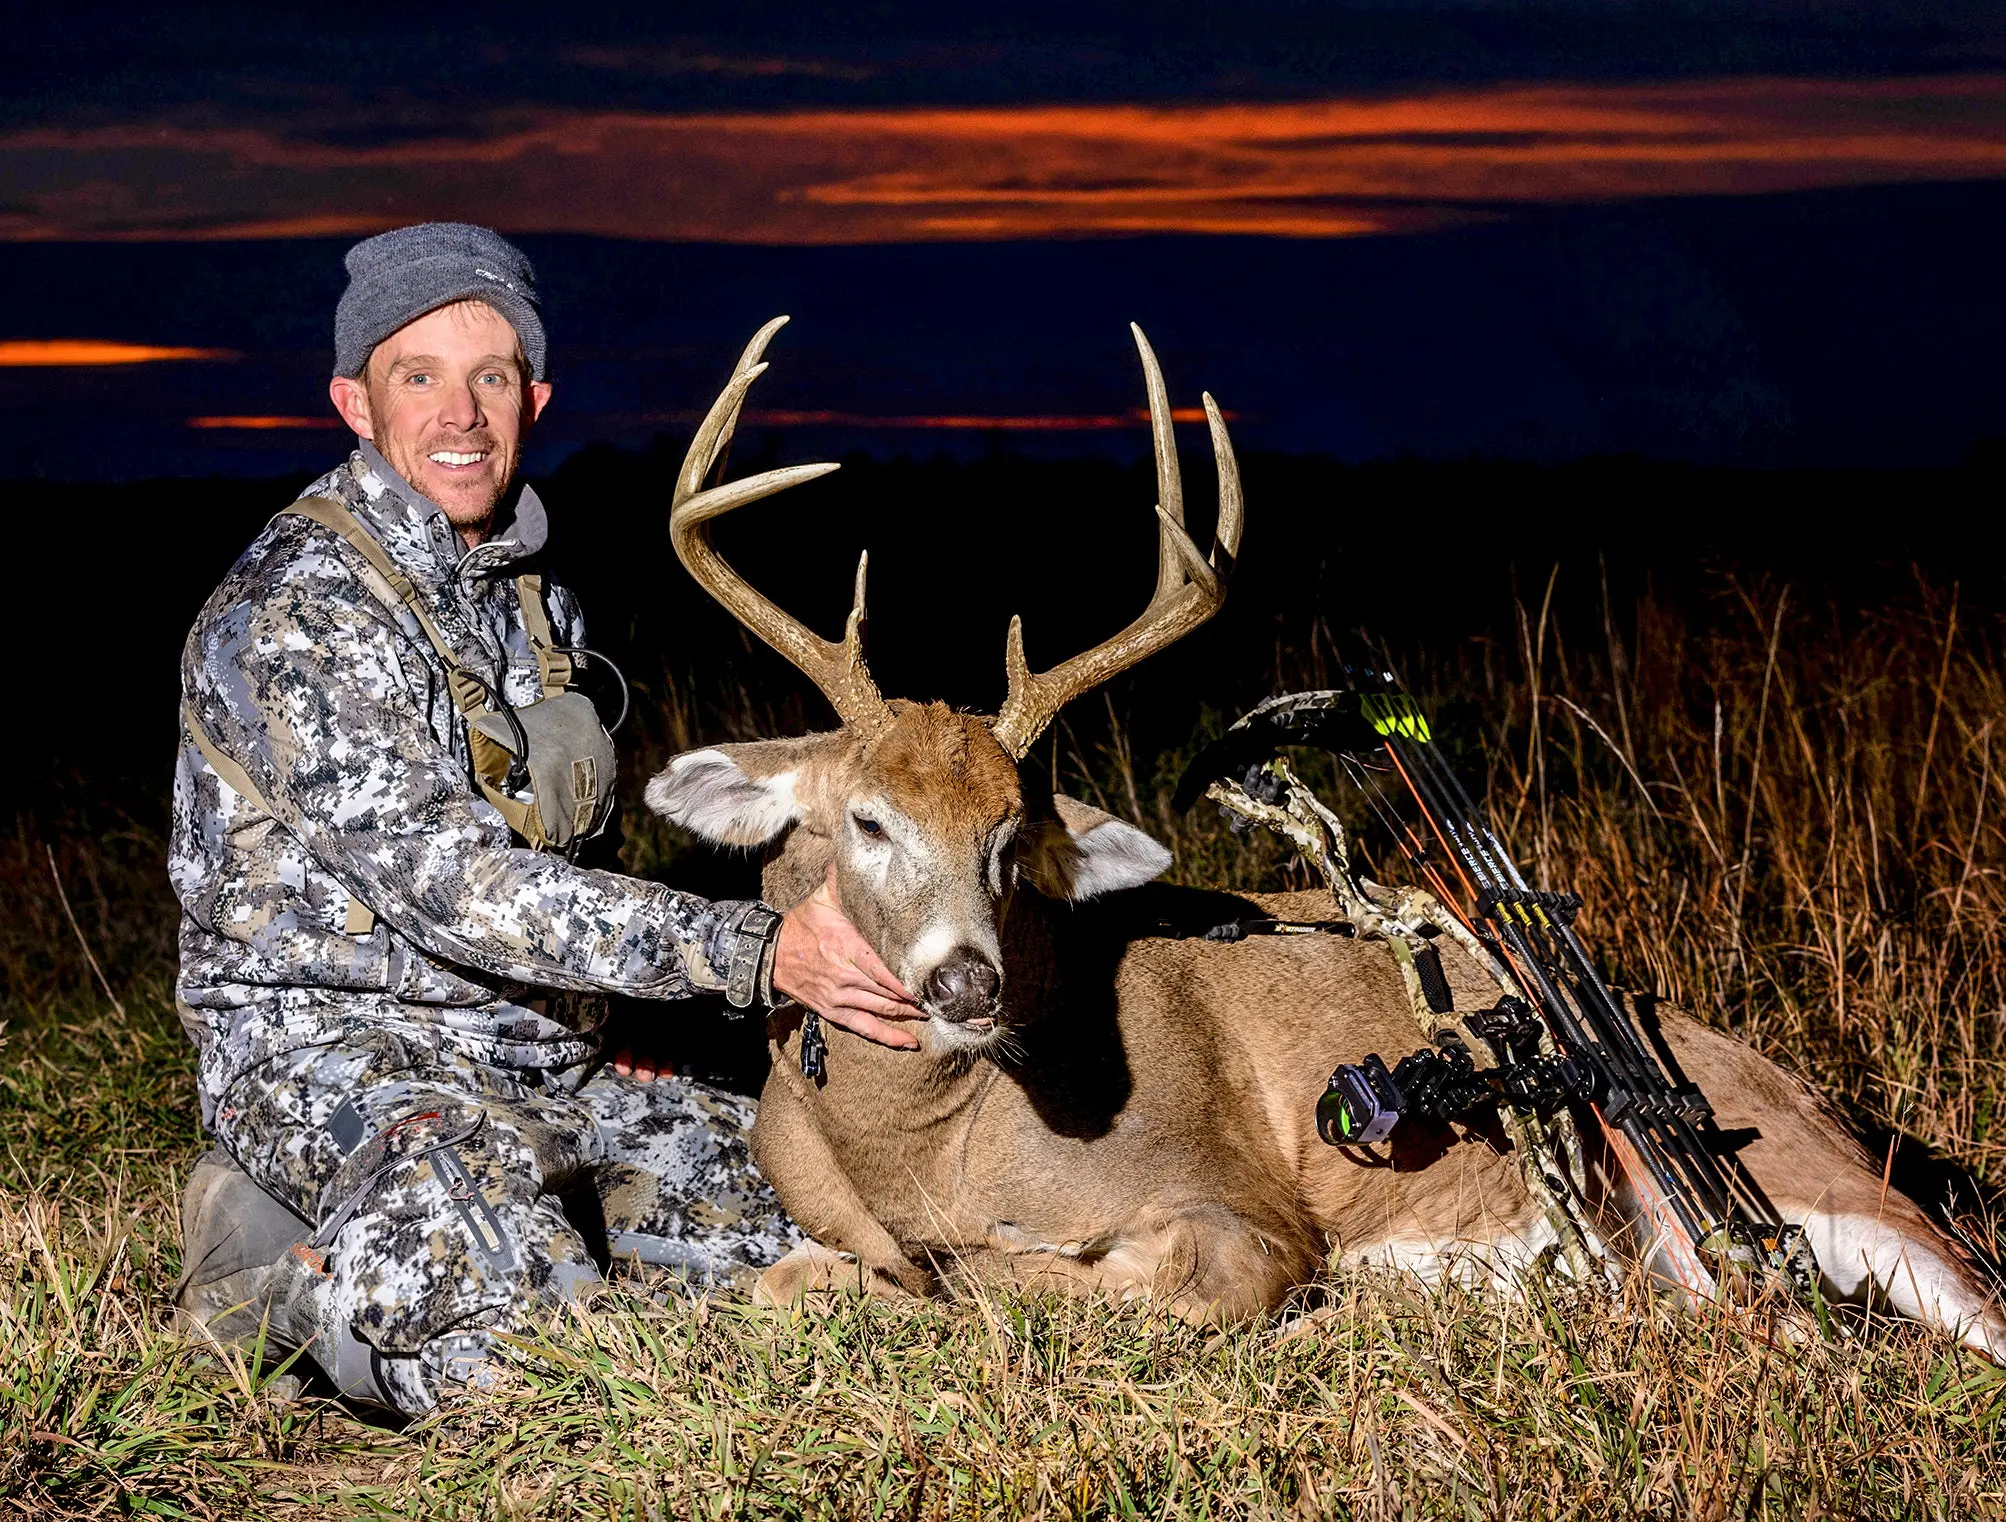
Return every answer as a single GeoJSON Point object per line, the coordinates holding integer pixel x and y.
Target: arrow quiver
{"type": "Point", "coordinates": [1557, 1050]}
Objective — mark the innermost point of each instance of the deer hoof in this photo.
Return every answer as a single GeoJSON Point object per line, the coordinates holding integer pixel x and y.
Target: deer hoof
{"type": "Point", "coordinates": [814, 1274]}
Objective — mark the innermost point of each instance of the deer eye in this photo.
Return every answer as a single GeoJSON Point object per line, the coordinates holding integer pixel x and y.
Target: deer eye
{"type": "Point", "coordinates": [869, 826]}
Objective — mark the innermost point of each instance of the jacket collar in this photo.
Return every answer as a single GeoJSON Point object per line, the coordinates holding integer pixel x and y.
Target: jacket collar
{"type": "Point", "coordinates": [415, 530]}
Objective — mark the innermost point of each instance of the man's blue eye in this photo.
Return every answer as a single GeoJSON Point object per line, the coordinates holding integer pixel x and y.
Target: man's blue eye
{"type": "Point", "coordinates": [868, 826]}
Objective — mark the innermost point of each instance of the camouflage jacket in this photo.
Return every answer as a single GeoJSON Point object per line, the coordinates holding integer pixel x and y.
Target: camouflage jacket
{"type": "Point", "coordinates": [338, 710]}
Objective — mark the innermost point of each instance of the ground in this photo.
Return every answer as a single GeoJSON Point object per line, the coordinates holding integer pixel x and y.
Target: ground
{"type": "Point", "coordinates": [1788, 826]}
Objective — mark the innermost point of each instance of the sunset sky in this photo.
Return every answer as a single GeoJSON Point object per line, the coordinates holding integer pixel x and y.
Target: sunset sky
{"type": "Point", "coordinates": [1414, 160]}
{"type": "Point", "coordinates": [1442, 228]}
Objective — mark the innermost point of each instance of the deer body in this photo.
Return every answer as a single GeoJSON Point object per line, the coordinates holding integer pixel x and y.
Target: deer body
{"type": "Point", "coordinates": [1102, 1101]}
{"type": "Point", "coordinates": [1136, 1137]}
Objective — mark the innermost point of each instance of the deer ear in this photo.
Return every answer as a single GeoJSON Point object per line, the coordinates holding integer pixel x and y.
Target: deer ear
{"type": "Point", "coordinates": [733, 795]}
{"type": "Point", "coordinates": [1086, 852]}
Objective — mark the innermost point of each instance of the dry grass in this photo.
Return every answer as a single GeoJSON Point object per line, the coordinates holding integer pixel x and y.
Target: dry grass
{"type": "Point", "coordinates": [1788, 818]}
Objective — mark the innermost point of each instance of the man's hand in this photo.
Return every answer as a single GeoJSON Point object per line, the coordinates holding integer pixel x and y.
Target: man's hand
{"type": "Point", "coordinates": [644, 1068]}
{"type": "Point", "coordinates": [822, 962]}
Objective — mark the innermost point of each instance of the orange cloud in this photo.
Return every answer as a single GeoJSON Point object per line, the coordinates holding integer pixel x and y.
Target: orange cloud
{"type": "Point", "coordinates": [1062, 422]}
{"type": "Point", "coordinates": [1330, 168]}
{"type": "Point", "coordinates": [35, 352]}
{"type": "Point", "coordinates": [262, 423]}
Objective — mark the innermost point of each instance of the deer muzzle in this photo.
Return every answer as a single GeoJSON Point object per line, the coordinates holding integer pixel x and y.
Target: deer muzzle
{"type": "Point", "coordinates": [963, 986]}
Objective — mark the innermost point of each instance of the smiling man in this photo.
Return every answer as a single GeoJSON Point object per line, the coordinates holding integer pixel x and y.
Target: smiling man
{"type": "Point", "coordinates": [391, 963]}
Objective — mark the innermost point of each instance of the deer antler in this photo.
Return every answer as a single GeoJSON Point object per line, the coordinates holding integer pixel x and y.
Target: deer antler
{"type": "Point", "coordinates": [838, 669]}
{"type": "Point", "coordinates": [1189, 587]}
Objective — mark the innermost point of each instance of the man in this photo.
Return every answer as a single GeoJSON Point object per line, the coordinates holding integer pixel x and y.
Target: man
{"type": "Point", "coordinates": [395, 998]}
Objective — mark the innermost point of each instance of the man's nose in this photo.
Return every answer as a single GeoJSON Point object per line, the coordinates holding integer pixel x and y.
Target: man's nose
{"type": "Point", "coordinates": [460, 407]}
{"type": "Point", "coordinates": [963, 986]}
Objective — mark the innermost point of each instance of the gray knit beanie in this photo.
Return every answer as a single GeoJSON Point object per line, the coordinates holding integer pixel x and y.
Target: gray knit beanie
{"type": "Point", "coordinates": [397, 276]}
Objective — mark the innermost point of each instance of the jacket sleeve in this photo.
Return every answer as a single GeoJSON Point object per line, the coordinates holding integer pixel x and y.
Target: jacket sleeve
{"type": "Point", "coordinates": [303, 686]}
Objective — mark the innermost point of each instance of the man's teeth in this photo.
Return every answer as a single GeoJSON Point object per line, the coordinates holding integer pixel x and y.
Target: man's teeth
{"type": "Point", "coordinates": [451, 457]}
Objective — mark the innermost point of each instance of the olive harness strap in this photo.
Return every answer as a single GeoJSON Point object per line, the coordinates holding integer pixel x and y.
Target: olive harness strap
{"type": "Point", "coordinates": [470, 692]}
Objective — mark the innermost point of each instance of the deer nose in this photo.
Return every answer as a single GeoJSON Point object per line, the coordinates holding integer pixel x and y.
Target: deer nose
{"type": "Point", "coordinates": [963, 986]}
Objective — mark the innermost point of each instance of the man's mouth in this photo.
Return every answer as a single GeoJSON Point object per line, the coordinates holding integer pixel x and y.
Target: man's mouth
{"type": "Point", "coordinates": [456, 458]}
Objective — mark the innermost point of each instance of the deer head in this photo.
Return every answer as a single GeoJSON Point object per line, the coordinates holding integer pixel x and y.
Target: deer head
{"type": "Point", "coordinates": [930, 823]}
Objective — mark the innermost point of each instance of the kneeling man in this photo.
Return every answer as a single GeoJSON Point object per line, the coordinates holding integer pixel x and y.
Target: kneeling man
{"type": "Point", "coordinates": [391, 964]}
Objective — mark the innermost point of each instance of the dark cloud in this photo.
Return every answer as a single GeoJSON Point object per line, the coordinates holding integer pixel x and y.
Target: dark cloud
{"type": "Point", "coordinates": [674, 62]}
{"type": "Point", "coordinates": [360, 70]}
{"type": "Point", "coordinates": [1857, 327]}
{"type": "Point", "coordinates": [1700, 230]}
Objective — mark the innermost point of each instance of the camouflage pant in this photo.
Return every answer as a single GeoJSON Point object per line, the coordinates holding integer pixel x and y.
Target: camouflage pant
{"type": "Point", "coordinates": [453, 1201]}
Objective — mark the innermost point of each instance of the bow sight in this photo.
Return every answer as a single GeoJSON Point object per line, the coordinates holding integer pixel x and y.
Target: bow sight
{"type": "Point", "coordinates": [1365, 1100]}
{"type": "Point", "coordinates": [1559, 1041]}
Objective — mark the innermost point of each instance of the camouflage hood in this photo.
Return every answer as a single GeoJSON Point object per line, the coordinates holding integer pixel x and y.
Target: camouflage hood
{"type": "Point", "coordinates": [416, 532]}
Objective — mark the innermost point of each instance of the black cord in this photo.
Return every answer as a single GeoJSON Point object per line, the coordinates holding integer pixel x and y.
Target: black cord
{"type": "Point", "coordinates": [518, 767]}
{"type": "Point", "coordinates": [626, 696]}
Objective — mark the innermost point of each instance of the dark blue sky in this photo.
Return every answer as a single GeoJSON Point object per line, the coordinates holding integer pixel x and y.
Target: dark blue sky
{"type": "Point", "coordinates": [1732, 233]}
{"type": "Point", "coordinates": [371, 73]}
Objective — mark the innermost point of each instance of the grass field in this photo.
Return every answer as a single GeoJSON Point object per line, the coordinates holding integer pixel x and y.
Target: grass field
{"type": "Point", "coordinates": [1787, 816]}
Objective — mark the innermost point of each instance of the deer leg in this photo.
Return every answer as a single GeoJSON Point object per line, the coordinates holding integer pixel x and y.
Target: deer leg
{"type": "Point", "coordinates": [812, 1268]}
{"type": "Point", "coordinates": [818, 1194]}
{"type": "Point", "coordinates": [1869, 1238]}
{"type": "Point", "coordinates": [1493, 1258]}
{"type": "Point", "coordinates": [1206, 1264]}
{"type": "Point", "coordinates": [1445, 1211]}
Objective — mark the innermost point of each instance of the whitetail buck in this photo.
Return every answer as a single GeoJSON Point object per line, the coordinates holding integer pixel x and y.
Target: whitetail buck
{"type": "Point", "coordinates": [1099, 1104]}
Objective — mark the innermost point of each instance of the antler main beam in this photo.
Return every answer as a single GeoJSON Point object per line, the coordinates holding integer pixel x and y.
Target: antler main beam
{"type": "Point", "coordinates": [1190, 586]}
{"type": "Point", "coordinates": [837, 669]}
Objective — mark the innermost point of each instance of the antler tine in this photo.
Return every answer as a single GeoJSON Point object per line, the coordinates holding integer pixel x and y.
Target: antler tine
{"type": "Point", "coordinates": [1163, 443]}
{"type": "Point", "coordinates": [837, 669]}
{"type": "Point", "coordinates": [714, 436]}
{"type": "Point", "coordinates": [716, 501]}
{"type": "Point", "coordinates": [709, 440]}
{"type": "Point", "coordinates": [1232, 504]}
{"type": "Point", "coordinates": [1190, 588]}
{"type": "Point", "coordinates": [755, 351]}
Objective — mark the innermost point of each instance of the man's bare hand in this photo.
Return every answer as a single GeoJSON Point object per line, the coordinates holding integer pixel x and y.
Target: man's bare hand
{"type": "Point", "coordinates": [823, 962]}
{"type": "Point", "coordinates": [644, 1069]}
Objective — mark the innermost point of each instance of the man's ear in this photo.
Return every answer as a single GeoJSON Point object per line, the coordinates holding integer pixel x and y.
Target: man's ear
{"type": "Point", "coordinates": [351, 399]}
{"type": "Point", "coordinates": [1086, 852]}
{"type": "Point", "coordinates": [735, 795]}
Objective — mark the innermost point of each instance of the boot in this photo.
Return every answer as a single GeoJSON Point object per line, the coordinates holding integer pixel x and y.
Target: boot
{"type": "Point", "coordinates": [247, 1267]}
{"type": "Point", "coordinates": [239, 1271]}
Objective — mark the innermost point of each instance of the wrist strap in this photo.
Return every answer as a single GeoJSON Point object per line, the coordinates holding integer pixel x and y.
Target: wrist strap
{"type": "Point", "coordinates": [748, 972]}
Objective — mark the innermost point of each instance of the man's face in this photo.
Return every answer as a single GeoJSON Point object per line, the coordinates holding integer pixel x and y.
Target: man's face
{"type": "Point", "coordinates": [447, 399]}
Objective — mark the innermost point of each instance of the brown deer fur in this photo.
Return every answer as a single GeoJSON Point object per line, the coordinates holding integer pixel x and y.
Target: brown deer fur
{"type": "Point", "coordinates": [1138, 1118]}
